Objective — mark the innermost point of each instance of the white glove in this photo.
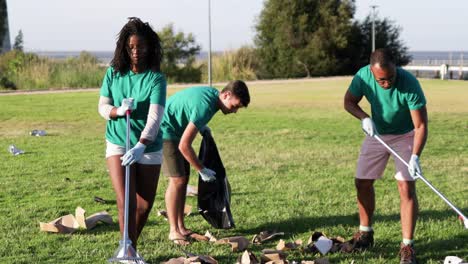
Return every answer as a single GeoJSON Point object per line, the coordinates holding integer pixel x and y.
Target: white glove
{"type": "Point", "coordinates": [368, 127]}
{"type": "Point", "coordinates": [134, 154]}
{"type": "Point", "coordinates": [413, 166]}
{"type": "Point", "coordinates": [205, 129]}
{"type": "Point", "coordinates": [207, 175]}
{"type": "Point", "coordinates": [127, 104]}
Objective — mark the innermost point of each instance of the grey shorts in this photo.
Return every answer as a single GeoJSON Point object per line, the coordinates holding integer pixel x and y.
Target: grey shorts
{"type": "Point", "coordinates": [174, 163]}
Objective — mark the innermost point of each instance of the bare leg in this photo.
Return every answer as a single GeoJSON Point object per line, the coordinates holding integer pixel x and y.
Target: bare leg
{"type": "Point", "coordinates": [408, 207]}
{"type": "Point", "coordinates": [175, 201]}
{"type": "Point", "coordinates": [366, 200]}
{"type": "Point", "coordinates": [117, 175]}
{"type": "Point", "coordinates": [146, 186]}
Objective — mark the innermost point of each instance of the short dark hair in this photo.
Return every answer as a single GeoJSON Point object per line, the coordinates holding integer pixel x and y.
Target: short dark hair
{"type": "Point", "coordinates": [383, 57]}
{"type": "Point", "coordinates": [240, 90]}
{"type": "Point", "coordinates": [134, 26]}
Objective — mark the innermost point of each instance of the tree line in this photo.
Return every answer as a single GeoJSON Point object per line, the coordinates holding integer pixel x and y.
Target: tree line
{"type": "Point", "coordinates": [294, 39]}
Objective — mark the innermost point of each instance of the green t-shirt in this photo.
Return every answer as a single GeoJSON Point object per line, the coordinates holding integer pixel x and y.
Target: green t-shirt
{"type": "Point", "coordinates": [196, 104]}
{"type": "Point", "coordinates": [146, 88]}
{"type": "Point", "coordinates": [390, 107]}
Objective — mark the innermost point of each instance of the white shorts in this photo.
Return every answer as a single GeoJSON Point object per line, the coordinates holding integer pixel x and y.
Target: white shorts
{"type": "Point", "coordinates": [151, 158]}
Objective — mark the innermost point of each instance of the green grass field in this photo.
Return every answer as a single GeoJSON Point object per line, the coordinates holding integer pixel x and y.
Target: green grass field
{"type": "Point", "coordinates": [290, 158]}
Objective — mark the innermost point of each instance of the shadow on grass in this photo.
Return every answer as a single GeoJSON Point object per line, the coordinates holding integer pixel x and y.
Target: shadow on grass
{"type": "Point", "coordinates": [305, 224]}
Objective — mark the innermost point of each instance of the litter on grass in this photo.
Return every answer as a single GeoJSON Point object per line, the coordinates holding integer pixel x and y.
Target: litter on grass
{"type": "Point", "coordinates": [247, 258]}
{"type": "Point", "coordinates": [453, 260]}
{"type": "Point", "coordinates": [70, 223]}
{"type": "Point", "coordinates": [238, 243]}
{"type": "Point", "coordinates": [14, 150]}
{"type": "Point", "coordinates": [265, 236]}
{"type": "Point", "coordinates": [187, 211]}
{"type": "Point", "coordinates": [38, 133]}
{"type": "Point", "coordinates": [282, 245]}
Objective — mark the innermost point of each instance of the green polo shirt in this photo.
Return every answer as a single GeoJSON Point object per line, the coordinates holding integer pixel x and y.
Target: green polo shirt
{"type": "Point", "coordinates": [146, 88]}
{"type": "Point", "coordinates": [196, 104]}
{"type": "Point", "coordinates": [390, 107]}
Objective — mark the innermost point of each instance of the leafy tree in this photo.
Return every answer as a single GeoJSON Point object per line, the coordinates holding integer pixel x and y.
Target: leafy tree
{"type": "Point", "coordinates": [18, 45]}
{"type": "Point", "coordinates": [180, 52]}
{"type": "Point", "coordinates": [387, 35]}
{"type": "Point", "coordinates": [301, 38]}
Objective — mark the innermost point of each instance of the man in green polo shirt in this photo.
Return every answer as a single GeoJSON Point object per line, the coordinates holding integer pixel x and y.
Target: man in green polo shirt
{"type": "Point", "coordinates": [187, 113]}
{"type": "Point", "coordinates": [399, 116]}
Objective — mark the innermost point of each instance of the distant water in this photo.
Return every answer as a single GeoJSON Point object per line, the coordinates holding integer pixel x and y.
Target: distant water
{"type": "Point", "coordinates": [104, 57]}
{"type": "Point", "coordinates": [419, 57]}
{"type": "Point", "coordinates": [439, 57]}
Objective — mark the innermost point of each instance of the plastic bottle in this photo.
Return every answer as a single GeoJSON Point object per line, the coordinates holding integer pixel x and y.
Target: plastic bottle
{"type": "Point", "coordinates": [38, 133]}
{"type": "Point", "coordinates": [14, 150]}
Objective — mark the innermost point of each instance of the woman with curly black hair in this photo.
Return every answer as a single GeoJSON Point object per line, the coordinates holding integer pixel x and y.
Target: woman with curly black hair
{"type": "Point", "coordinates": [134, 82]}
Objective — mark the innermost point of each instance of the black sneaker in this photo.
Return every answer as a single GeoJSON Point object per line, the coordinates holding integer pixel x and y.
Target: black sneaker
{"type": "Point", "coordinates": [361, 240]}
{"type": "Point", "coordinates": [407, 254]}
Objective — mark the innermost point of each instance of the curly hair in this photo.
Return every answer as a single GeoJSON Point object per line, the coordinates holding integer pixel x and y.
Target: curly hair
{"type": "Point", "coordinates": [121, 60]}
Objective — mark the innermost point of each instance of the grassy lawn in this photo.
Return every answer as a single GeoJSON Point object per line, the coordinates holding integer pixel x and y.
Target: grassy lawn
{"type": "Point", "coordinates": [290, 158]}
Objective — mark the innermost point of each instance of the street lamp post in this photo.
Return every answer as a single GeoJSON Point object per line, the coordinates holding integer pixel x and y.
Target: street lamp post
{"type": "Point", "coordinates": [209, 42]}
{"type": "Point", "coordinates": [373, 26]}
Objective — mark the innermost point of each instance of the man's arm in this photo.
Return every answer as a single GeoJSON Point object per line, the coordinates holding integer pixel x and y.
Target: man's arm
{"type": "Point", "coordinates": [185, 146]}
{"type": "Point", "coordinates": [419, 118]}
{"type": "Point", "coordinates": [351, 104]}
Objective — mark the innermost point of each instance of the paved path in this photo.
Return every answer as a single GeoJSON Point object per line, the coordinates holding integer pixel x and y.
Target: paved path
{"type": "Point", "coordinates": [73, 90]}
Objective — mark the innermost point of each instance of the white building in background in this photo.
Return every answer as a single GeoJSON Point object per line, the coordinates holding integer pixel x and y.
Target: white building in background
{"type": "Point", "coordinates": [6, 45]}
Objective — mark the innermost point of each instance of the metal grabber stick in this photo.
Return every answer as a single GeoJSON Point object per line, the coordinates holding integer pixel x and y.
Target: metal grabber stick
{"type": "Point", "coordinates": [420, 176]}
{"type": "Point", "coordinates": [126, 253]}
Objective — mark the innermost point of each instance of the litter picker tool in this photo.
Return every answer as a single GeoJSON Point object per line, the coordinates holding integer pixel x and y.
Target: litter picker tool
{"type": "Point", "coordinates": [126, 253]}
{"type": "Point", "coordinates": [420, 176]}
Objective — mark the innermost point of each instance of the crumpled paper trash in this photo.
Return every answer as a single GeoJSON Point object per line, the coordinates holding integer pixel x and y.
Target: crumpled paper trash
{"type": "Point", "coordinates": [68, 224]}
{"type": "Point", "coordinates": [453, 260]}
{"type": "Point", "coordinates": [319, 242]}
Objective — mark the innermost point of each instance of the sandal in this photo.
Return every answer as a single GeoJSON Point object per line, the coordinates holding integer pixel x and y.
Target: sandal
{"type": "Point", "coordinates": [180, 241]}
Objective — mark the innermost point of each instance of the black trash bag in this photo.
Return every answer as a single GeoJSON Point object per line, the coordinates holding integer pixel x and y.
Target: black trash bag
{"type": "Point", "coordinates": [214, 197]}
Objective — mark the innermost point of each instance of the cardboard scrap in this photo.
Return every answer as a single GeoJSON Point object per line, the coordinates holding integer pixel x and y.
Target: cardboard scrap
{"type": "Point", "coordinates": [68, 224]}
{"type": "Point", "coordinates": [277, 262]}
{"type": "Point", "coordinates": [238, 243]}
{"type": "Point", "coordinates": [187, 211]}
{"type": "Point", "coordinates": [179, 260]}
{"type": "Point", "coordinates": [282, 245]}
{"type": "Point", "coordinates": [190, 260]}
{"type": "Point", "coordinates": [210, 237]}
{"type": "Point", "coordinates": [273, 255]}
{"type": "Point", "coordinates": [191, 190]}
{"type": "Point", "coordinates": [247, 258]}
{"type": "Point", "coordinates": [201, 259]}
{"type": "Point", "coordinates": [264, 236]}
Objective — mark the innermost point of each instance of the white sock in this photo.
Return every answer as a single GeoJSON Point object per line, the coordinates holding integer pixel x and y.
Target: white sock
{"type": "Point", "coordinates": [408, 241]}
{"type": "Point", "coordinates": [365, 228]}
